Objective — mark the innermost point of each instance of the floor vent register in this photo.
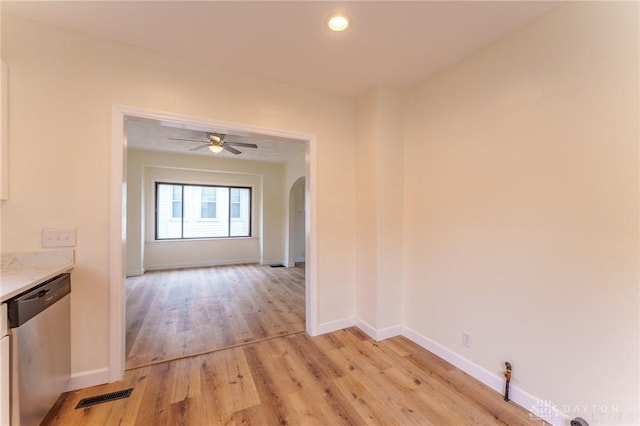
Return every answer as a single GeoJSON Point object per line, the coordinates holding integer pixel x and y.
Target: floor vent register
{"type": "Point", "coordinates": [107, 397]}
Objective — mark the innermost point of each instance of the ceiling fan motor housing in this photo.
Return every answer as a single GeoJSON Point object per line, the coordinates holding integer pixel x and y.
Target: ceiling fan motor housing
{"type": "Point", "coordinates": [216, 138]}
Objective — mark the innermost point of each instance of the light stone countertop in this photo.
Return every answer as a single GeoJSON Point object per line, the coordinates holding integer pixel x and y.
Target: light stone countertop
{"type": "Point", "coordinates": [22, 271]}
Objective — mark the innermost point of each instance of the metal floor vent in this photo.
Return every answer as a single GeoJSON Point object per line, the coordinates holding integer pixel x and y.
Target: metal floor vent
{"type": "Point", "coordinates": [88, 402]}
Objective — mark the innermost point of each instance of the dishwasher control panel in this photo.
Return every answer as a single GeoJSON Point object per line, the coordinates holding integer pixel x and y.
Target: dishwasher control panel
{"type": "Point", "coordinates": [30, 303]}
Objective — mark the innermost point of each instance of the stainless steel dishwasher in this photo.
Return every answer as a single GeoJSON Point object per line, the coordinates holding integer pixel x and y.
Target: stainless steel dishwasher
{"type": "Point", "coordinates": [40, 330]}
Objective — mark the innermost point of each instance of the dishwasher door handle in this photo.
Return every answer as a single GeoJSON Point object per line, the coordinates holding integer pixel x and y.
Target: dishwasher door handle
{"type": "Point", "coordinates": [26, 306]}
{"type": "Point", "coordinates": [36, 296]}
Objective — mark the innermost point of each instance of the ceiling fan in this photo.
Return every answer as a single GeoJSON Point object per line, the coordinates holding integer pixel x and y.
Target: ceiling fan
{"type": "Point", "coordinates": [217, 143]}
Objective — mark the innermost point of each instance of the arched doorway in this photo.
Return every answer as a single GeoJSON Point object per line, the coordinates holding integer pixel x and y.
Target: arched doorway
{"type": "Point", "coordinates": [296, 247]}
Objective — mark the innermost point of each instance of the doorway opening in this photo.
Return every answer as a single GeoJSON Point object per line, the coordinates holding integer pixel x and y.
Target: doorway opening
{"type": "Point", "coordinates": [119, 243]}
{"type": "Point", "coordinates": [296, 248]}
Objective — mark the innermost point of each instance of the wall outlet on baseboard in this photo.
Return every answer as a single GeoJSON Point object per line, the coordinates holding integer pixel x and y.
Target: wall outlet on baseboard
{"type": "Point", "coordinates": [467, 339]}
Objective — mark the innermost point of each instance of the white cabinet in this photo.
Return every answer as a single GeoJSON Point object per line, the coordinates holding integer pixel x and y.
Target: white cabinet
{"type": "Point", "coordinates": [4, 381]}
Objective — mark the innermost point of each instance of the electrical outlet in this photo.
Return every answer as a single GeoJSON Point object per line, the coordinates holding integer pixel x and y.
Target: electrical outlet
{"type": "Point", "coordinates": [467, 339]}
{"type": "Point", "coordinates": [59, 237]}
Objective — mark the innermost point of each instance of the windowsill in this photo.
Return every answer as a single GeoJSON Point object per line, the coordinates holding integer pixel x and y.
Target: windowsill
{"type": "Point", "coordinates": [191, 240]}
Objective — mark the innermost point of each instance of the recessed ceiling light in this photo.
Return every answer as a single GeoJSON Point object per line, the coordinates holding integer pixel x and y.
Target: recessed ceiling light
{"type": "Point", "coordinates": [338, 22]}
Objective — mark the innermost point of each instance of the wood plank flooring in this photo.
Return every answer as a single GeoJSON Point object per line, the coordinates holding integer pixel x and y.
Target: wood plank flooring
{"type": "Point", "coordinates": [177, 313]}
{"type": "Point", "coordinates": [341, 378]}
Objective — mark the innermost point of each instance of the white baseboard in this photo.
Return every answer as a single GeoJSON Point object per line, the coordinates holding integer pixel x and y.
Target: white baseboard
{"type": "Point", "coordinates": [272, 262]}
{"type": "Point", "coordinates": [389, 332]}
{"type": "Point", "coordinates": [135, 273]}
{"type": "Point", "coordinates": [538, 407]}
{"type": "Point", "coordinates": [161, 267]}
{"type": "Point", "coordinates": [367, 328]}
{"type": "Point", "coordinates": [87, 379]}
{"type": "Point", "coordinates": [300, 259]}
{"type": "Point", "coordinates": [336, 325]}
{"type": "Point", "coordinates": [376, 334]}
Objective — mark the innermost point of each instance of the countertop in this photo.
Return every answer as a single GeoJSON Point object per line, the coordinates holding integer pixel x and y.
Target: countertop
{"type": "Point", "coordinates": [22, 271]}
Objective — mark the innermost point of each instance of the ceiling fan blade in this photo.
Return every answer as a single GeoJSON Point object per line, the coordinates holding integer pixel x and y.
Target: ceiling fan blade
{"type": "Point", "coordinates": [200, 147]}
{"type": "Point", "coordinates": [246, 145]}
{"type": "Point", "coordinates": [231, 149]}
{"type": "Point", "coordinates": [190, 140]}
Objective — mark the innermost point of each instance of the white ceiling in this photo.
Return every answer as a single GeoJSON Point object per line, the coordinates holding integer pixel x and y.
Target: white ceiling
{"type": "Point", "coordinates": [153, 135]}
{"type": "Point", "coordinates": [393, 43]}
{"type": "Point", "coordinates": [390, 43]}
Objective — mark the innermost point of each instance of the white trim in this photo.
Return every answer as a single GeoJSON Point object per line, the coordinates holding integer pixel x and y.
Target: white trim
{"type": "Point", "coordinates": [495, 382]}
{"type": "Point", "coordinates": [389, 332]}
{"type": "Point", "coordinates": [272, 262]}
{"type": "Point", "coordinates": [374, 333]}
{"type": "Point", "coordinates": [367, 328]}
{"type": "Point", "coordinates": [163, 266]}
{"type": "Point", "coordinates": [135, 273]}
{"type": "Point", "coordinates": [311, 242]}
{"type": "Point", "coordinates": [299, 259]}
{"type": "Point", "coordinates": [118, 217]}
{"type": "Point", "coordinates": [117, 238]}
{"type": "Point", "coordinates": [328, 327]}
{"type": "Point", "coordinates": [87, 379]}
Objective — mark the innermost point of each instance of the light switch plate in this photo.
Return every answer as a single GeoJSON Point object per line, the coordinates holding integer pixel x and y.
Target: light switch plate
{"type": "Point", "coordinates": [65, 237]}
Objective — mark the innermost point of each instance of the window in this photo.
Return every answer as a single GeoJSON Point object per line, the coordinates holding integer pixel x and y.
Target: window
{"type": "Point", "coordinates": [235, 203]}
{"type": "Point", "coordinates": [202, 211]}
{"type": "Point", "coordinates": [208, 202]}
{"type": "Point", "coordinates": [176, 202]}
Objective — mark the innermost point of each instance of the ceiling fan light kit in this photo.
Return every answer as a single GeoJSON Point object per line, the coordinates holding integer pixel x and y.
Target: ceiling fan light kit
{"type": "Point", "coordinates": [217, 144]}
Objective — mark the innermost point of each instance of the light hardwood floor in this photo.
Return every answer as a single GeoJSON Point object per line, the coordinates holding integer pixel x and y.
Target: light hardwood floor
{"type": "Point", "coordinates": [177, 313]}
{"type": "Point", "coordinates": [339, 378]}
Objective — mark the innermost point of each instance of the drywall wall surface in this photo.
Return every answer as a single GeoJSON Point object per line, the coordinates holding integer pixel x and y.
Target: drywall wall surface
{"type": "Point", "coordinates": [521, 209]}
{"type": "Point", "coordinates": [390, 202]}
{"type": "Point", "coordinates": [366, 208]}
{"type": "Point", "coordinates": [294, 169]}
{"type": "Point", "coordinates": [379, 204]}
{"type": "Point", "coordinates": [63, 87]}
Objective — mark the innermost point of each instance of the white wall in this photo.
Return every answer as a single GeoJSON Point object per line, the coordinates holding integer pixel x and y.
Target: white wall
{"type": "Point", "coordinates": [520, 196]}
{"type": "Point", "coordinates": [144, 168]}
{"type": "Point", "coordinates": [389, 206]}
{"type": "Point", "coordinates": [63, 86]}
{"type": "Point", "coordinates": [521, 209]}
{"type": "Point", "coordinates": [366, 209]}
{"type": "Point", "coordinates": [379, 204]}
